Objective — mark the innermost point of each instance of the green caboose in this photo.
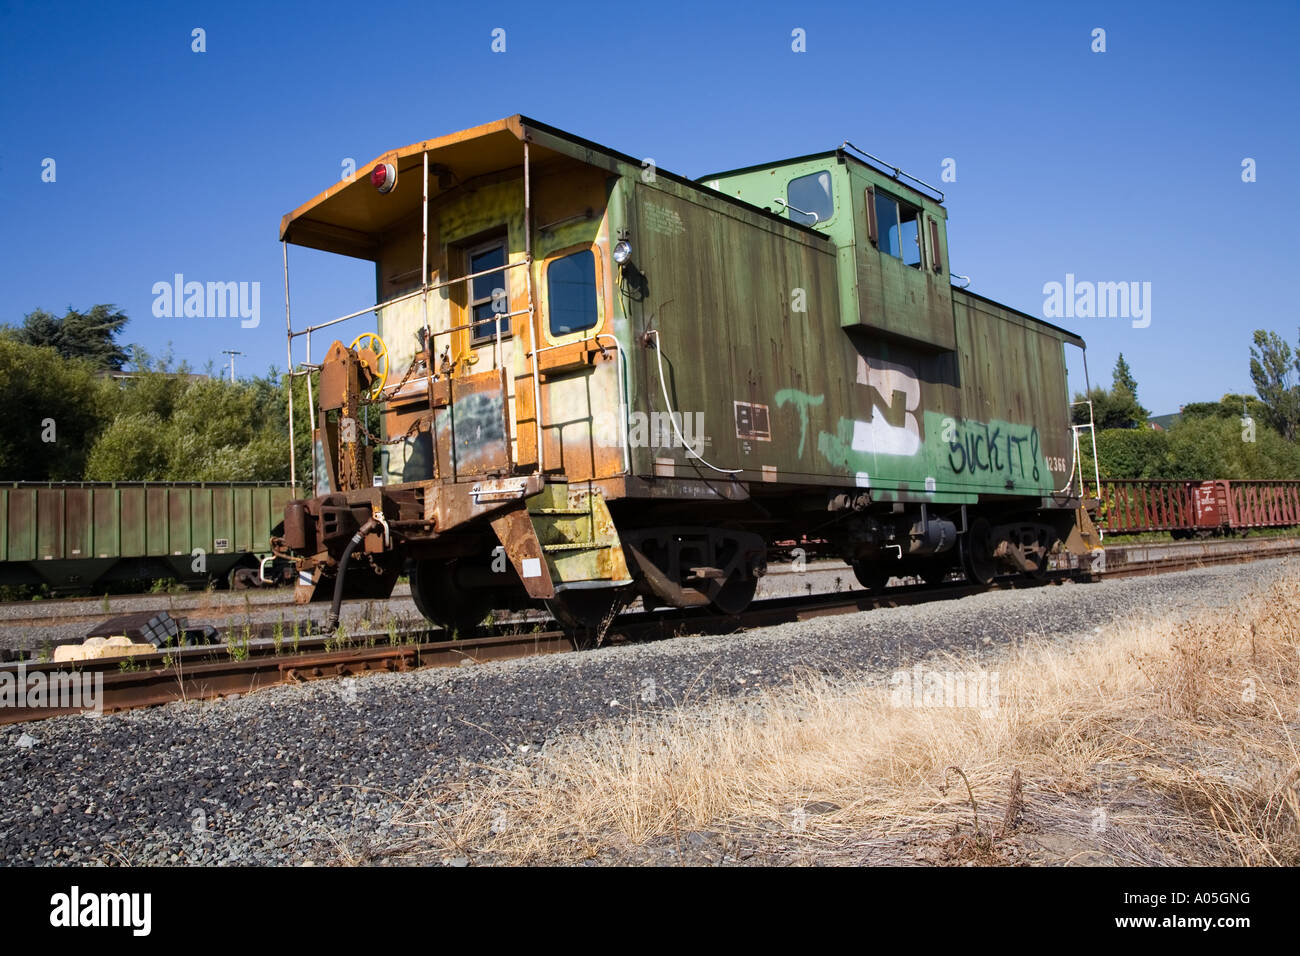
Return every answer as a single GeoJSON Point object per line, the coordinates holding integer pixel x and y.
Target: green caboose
{"type": "Point", "coordinates": [595, 379]}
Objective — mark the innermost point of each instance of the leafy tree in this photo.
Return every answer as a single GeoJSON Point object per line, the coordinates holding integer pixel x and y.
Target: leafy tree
{"type": "Point", "coordinates": [51, 415]}
{"type": "Point", "coordinates": [67, 420]}
{"type": "Point", "coordinates": [1111, 409]}
{"type": "Point", "coordinates": [1231, 406]}
{"type": "Point", "coordinates": [173, 426]}
{"type": "Point", "coordinates": [132, 448]}
{"type": "Point", "coordinates": [1197, 447]}
{"type": "Point", "coordinates": [1272, 365]}
{"type": "Point", "coordinates": [88, 336]}
{"type": "Point", "coordinates": [1221, 448]}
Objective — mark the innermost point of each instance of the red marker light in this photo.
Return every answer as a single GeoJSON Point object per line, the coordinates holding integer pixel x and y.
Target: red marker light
{"type": "Point", "coordinates": [384, 177]}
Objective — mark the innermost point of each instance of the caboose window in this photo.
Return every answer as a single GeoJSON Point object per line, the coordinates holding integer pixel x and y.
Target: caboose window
{"type": "Point", "coordinates": [571, 292]}
{"type": "Point", "coordinates": [899, 225]}
{"type": "Point", "coordinates": [483, 316]}
{"type": "Point", "coordinates": [810, 198]}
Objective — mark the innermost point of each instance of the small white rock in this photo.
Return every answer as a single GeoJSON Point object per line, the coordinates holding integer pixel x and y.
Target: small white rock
{"type": "Point", "coordinates": [27, 741]}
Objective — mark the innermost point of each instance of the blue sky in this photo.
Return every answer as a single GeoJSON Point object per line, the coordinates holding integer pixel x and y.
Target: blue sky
{"type": "Point", "coordinates": [1115, 166]}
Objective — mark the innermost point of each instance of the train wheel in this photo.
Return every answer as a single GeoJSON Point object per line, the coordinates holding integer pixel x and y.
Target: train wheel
{"type": "Point", "coordinates": [933, 572]}
{"type": "Point", "coordinates": [977, 553]}
{"type": "Point", "coordinates": [872, 575]}
{"type": "Point", "coordinates": [438, 598]}
{"type": "Point", "coordinates": [586, 613]}
{"type": "Point", "coordinates": [735, 595]}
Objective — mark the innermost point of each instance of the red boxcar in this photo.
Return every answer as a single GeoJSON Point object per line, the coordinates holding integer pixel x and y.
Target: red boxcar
{"type": "Point", "coordinates": [1131, 506]}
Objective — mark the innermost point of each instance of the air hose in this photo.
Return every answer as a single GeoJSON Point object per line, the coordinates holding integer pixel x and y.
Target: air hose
{"type": "Point", "coordinates": [357, 538]}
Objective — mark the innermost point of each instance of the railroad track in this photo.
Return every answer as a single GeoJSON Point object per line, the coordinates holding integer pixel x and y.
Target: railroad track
{"type": "Point", "coordinates": [259, 657]}
{"type": "Point", "coordinates": [207, 607]}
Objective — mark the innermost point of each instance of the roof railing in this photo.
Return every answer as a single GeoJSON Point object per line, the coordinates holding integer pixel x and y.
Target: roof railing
{"type": "Point", "coordinates": [891, 168]}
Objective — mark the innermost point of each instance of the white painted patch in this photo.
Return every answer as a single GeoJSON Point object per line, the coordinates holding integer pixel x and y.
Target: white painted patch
{"type": "Point", "coordinates": [929, 484]}
{"type": "Point", "coordinates": [890, 377]}
{"type": "Point", "coordinates": [532, 567]}
{"type": "Point", "coordinates": [769, 472]}
{"type": "Point", "coordinates": [881, 438]}
{"type": "Point", "coordinates": [863, 480]}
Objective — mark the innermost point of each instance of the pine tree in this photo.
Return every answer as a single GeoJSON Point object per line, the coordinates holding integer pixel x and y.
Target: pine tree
{"type": "Point", "coordinates": [89, 336]}
{"type": "Point", "coordinates": [1123, 377]}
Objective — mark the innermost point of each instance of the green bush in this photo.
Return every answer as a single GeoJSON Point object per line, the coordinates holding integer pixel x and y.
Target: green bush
{"type": "Point", "coordinates": [172, 428]}
{"type": "Point", "coordinates": [45, 396]}
{"type": "Point", "coordinates": [1196, 447]}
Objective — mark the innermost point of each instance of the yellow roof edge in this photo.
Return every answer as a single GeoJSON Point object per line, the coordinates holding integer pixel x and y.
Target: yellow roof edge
{"type": "Point", "coordinates": [512, 123]}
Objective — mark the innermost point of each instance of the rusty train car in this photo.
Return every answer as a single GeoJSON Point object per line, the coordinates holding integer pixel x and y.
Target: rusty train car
{"type": "Point", "coordinates": [1189, 508]}
{"type": "Point", "coordinates": [592, 380]}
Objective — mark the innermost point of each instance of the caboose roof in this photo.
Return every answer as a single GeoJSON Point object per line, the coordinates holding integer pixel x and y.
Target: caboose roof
{"type": "Point", "coordinates": [841, 155]}
{"type": "Point", "coordinates": [350, 217]}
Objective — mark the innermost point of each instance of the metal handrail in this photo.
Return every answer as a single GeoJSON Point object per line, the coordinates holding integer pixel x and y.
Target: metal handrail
{"type": "Point", "coordinates": [434, 287]}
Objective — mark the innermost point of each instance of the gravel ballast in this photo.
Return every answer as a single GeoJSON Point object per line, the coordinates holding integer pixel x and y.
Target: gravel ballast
{"type": "Point", "coordinates": [287, 774]}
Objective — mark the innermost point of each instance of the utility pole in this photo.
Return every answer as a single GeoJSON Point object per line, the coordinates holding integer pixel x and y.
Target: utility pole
{"type": "Point", "coordinates": [232, 353]}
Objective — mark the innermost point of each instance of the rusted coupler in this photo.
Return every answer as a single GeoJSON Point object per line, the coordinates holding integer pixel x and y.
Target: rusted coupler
{"type": "Point", "coordinates": [333, 621]}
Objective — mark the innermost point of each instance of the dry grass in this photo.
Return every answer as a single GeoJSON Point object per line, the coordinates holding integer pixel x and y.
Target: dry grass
{"type": "Point", "coordinates": [1166, 742]}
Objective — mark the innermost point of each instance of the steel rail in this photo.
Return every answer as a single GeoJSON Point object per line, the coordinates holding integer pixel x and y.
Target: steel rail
{"type": "Point", "coordinates": [220, 615]}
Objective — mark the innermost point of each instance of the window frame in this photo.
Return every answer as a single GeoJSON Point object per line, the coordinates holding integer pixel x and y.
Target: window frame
{"type": "Point", "coordinates": [936, 260]}
{"type": "Point", "coordinates": [544, 286]}
{"type": "Point", "coordinates": [874, 195]}
{"type": "Point", "coordinates": [827, 171]}
{"type": "Point", "coordinates": [475, 339]}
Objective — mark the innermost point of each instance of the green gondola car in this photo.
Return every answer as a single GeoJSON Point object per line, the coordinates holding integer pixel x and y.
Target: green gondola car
{"type": "Point", "coordinates": [74, 536]}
